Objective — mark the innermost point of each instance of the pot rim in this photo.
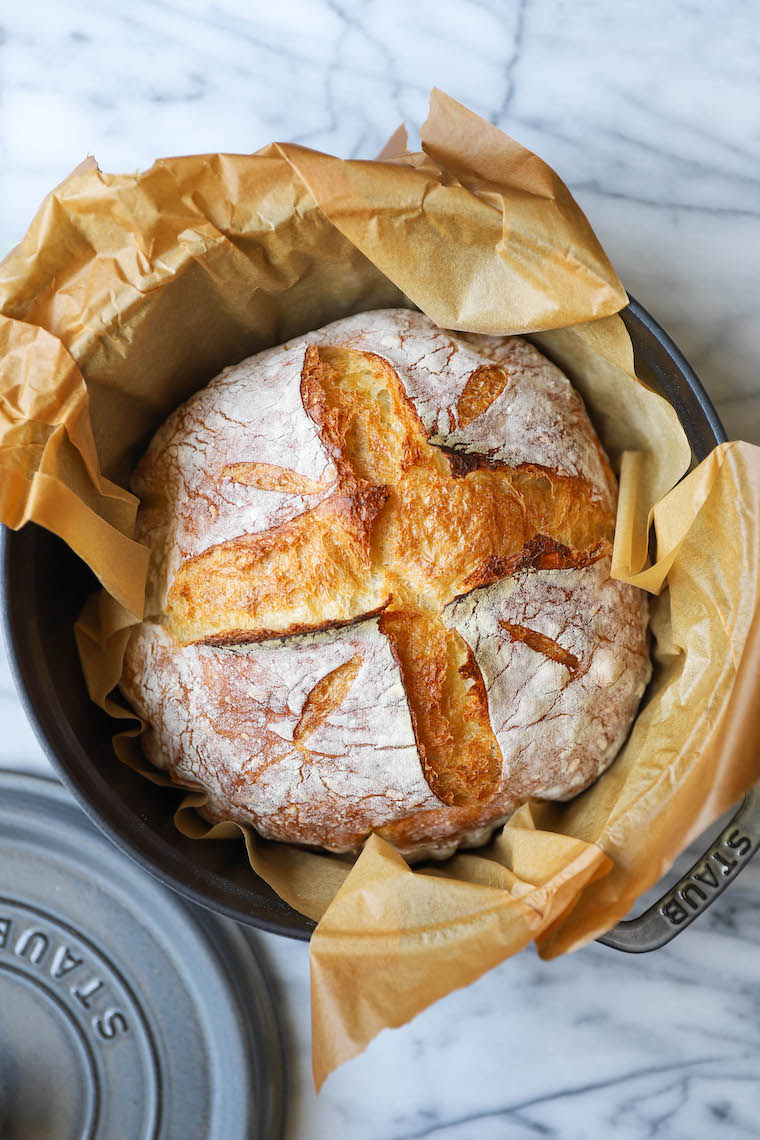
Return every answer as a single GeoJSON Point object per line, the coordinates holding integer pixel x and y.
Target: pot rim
{"type": "Point", "coordinates": [128, 833]}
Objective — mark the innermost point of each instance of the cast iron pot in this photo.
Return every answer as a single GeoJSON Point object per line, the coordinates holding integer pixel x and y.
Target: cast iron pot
{"type": "Point", "coordinates": [43, 588]}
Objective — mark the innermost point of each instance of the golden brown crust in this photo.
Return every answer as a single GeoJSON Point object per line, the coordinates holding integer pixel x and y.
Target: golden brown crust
{"type": "Point", "coordinates": [327, 696]}
{"type": "Point", "coordinates": [335, 448]}
{"type": "Point", "coordinates": [403, 526]}
{"type": "Point", "coordinates": [484, 386]}
{"type": "Point", "coordinates": [459, 753]}
{"type": "Point", "coordinates": [270, 477]}
{"type": "Point", "coordinates": [541, 644]}
{"type": "Point", "coordinates": [309, 573]}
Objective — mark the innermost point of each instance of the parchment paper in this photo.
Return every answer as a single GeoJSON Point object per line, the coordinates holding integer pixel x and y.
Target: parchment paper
{"type": "Point", "coordinates": [130, 292]}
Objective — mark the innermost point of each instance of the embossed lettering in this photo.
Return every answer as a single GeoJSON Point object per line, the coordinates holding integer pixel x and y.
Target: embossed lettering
{"type": "Point", "coordinates": [63, 963]}
{"type": "Point", "coordinates": [33, 941]}
{"type": "Point", "coordinates": [687, 894]}
{"type": "Point", "coordinates": [728, 864]}
{"type": "Point", "coordinates": [738, 843]}
{"type": "Point", "coordinates": [707, 876]}
{"type": "Point", "coordinates": [87, 991]}
{"type": "Point", "coordinates": [111, 1024]}
{"type": "Point", "coordinates": [5, 929]}
{"type": "Point", "coordinates": [674, 912]}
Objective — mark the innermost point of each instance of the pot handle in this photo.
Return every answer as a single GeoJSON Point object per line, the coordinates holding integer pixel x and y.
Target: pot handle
{"type": "Point", "coordinates": [707, 879]}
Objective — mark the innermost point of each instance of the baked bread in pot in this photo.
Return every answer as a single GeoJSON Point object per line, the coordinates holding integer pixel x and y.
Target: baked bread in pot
{"type": "Point", "coordinates": [379, 594]}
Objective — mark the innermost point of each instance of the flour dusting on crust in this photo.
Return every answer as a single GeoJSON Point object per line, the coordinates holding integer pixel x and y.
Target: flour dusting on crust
{"type": "Point", "coordinates": [561, 655]}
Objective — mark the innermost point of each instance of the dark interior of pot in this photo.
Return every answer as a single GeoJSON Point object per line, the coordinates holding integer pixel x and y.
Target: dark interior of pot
{"type": "Point", "coordinates": [44, 588]}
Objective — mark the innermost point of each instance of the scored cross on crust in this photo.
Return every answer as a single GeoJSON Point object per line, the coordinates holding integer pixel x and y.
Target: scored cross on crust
{"type": "Point", "coordinates": [406, 528]}
{"type": "Point", "coordinates": [450, 484]}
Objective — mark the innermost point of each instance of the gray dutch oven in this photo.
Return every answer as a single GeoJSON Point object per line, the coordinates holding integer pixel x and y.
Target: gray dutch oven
{"type": "Point", "coordinates": [44, 586]}
{"type": "Point", "coordinates": [124, 1011]}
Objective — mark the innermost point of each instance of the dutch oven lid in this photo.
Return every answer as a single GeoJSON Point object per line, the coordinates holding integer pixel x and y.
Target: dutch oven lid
{"type": "Point", "coordinates": [124, 1012]}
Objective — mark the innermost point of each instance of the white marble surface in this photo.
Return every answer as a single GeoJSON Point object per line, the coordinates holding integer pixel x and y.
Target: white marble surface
{"type": "Point", "coordinates": [651, 113]}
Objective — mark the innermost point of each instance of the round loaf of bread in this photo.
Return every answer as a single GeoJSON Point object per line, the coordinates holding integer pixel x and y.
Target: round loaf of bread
{"type": "Point", "coordinates": [379, 595]}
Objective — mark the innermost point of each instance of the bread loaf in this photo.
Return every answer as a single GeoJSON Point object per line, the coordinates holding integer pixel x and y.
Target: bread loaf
{"type": "Point", "coordinates": [379, 594]}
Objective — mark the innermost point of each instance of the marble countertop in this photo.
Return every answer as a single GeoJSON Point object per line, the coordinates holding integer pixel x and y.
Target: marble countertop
{"type": "Point", "coordinates": [650, 114]}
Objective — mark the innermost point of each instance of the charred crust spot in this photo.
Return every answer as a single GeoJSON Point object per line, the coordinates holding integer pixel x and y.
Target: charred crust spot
{"type": "Point", "coordinates": [544, 553]}
{"type": "Point", "coordinates": [540, 553]}
{"type": "Point", "coordinates": [235, 637]}
{"type": "Point", "coordinates": [461, 463]}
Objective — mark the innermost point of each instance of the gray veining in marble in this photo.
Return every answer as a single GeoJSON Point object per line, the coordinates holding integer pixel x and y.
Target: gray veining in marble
{"type": "Point", "coordinates": [651, 114]}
